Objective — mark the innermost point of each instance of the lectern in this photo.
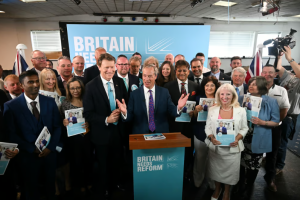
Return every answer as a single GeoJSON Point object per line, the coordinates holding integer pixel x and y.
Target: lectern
{"type": "Point", "coordinates": [158, 166]}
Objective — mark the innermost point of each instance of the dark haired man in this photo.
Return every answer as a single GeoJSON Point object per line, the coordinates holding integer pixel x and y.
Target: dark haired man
{"type": "Point", "coordinates": [201, 56]}
{"type": "Point", "coordinates": [137, 54]}
{"type": "Point", "coordinates": [91, 72]}
{"type": "Point", "coordinates": [49, 64]}
{"type": "Point", "coordinates": [196, 68]}
{"type": "Point", "coordinates": [235, 62]}
{"type": "Point", "coordinates": [101, 111]}
{"type": "Point", "coordinates": [24, 119]}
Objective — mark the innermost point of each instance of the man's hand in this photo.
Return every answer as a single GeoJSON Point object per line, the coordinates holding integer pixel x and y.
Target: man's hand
{"type": "Point", "coordinates": [122, 106]}
{"type": "Point", "coordinates": [44, 153]}
{"type": "Point", "coordinates": [85, 125]}
{"type": "Point", "coordinates": [288, 53]}
{"type": "Point", "coordinates": [65, 122]}
{"type": "Point", "coordinates": [191, 114]}
{"type": "Point", "coordinates": [198, 108]}
{"type": "Point", "coordinates": [37, 151]}
{"type": "Point", "coordinates": [182, 101]}
{"type": "Point", "coordinates": [114, 116]}
{"type": "Point", "coordinates": [10, 154]}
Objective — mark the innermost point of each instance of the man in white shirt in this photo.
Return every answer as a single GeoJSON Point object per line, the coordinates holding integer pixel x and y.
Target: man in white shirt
{"type": "Point", "coordinates": [13, 86]}
{"type": "Point", "coordinates": [201, 57]}
{"type": "Point", "coordinates": [280, 94]}
{"type": "Point", "coordinates": [78, 65]}
{"type": "Point", "coordinates": [238, 81]}
{"type": "Point", "coordinates": [169, 57]}
{"type": "Point", "coordinates": [196, 68]}
{"type": "Point", "coordinates": [38, 59]}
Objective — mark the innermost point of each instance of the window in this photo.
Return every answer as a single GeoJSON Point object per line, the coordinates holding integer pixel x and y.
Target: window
{"type": "Point", "coordinates": [48, 41]}
{"type": "Point", "coordinates": [261, 37]}
{"type": "Point", "coordinates": [229, 44]}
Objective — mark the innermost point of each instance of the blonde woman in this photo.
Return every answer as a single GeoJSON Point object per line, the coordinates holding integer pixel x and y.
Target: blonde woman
{"type": "Point", "coordinates": [224, 162]}
{"type": "Point", "coordinates": [151, 60]}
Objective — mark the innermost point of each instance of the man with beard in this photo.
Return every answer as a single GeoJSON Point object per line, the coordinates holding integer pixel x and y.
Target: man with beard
{"type": "Point", "coordinates": [196, 68]}
{"type": "Point", "coordinates": [215, 64]}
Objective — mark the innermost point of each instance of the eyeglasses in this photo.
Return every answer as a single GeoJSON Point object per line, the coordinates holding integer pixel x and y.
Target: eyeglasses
{"type": "Point", "coordinates": [77, 88]}
{"type": "Point", "coordinates": [125, 65]}
{"type": "Point", "coordinates": [40, 58]}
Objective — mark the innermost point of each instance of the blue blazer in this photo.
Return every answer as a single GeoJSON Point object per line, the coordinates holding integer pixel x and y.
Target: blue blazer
{"type": "Point", "coordinates": [137, 111]}
{"type": "Point", "coordinates": [262, 135]}
{"type": "Point", "coordinates": [22, 127]}
{"type": "Point", "coordinates": [73, 120]}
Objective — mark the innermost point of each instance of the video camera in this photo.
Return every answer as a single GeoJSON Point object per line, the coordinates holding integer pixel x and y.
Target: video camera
{"type": "Point", "coordinates": [280, 42]}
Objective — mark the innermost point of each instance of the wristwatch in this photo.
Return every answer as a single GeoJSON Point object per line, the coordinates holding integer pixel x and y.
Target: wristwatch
{"type": "Point", "coordinates": [291, 60]}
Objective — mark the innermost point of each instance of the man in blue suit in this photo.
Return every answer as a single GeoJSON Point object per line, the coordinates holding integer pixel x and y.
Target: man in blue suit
{"type": "Point", "coordinates": [150, 105]}
{"type": "Point", "coordinates": [221, 129]}
{"type": "Point", "coordinates": [238, 81]}
{"type": "Point", "coordinates": [24, 118]}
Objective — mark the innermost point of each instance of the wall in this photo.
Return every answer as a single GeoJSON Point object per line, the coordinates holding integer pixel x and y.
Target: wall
{"type": "Point", "coordinates": [13, 32]}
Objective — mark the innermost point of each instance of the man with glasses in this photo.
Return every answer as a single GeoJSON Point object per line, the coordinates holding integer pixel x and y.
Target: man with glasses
{"type": "Point", "coordinates": [39, 62]}
{"type": "Point", "coordinates": [131, 82]}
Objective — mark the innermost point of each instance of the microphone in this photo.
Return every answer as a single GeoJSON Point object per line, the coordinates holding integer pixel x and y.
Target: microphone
{"type": "Point", "coordinates": [268, 41]}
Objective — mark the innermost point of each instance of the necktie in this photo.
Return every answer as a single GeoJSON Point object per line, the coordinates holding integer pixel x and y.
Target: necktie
{"type": "Point", "coordinates": [198, 80]}
{"type": "Point", "coordinates": [35, 111]}
{"type": "Point", "coordinates": [237, 91]}
{"type": "Point", "coordinates": [65, 84]}
{"type": "Point", "coordinates": [151, 113]}
{"type": "Point", "coordinates": [124, 79]}
{"type": "Point", "coordinates": [111, 99]}
{"type": "Point", "coordinates": [183, 91]}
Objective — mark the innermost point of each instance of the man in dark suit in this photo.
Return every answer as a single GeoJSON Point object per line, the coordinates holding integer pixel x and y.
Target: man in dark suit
{"type": "Point", "coordinates": [39, 62]}
{"type": "Point", "coordinates": [135, 63]}
{"type": "Point", "coordinates": [24, 118]}
{"type": "Point", "coordinates": [131, 82]}
{"type": "Point", "coordinates": [3, 99]}
{"type": "Point", "coordinates": [12, 86]}
{"type": "Point", "coordinates": [65, 70]}
{"type": "Point", "coordinates": [215, 64]}
{"type": "Point", "coordinates": [102, 113]}
{"type": "Point", "coordinates": [150, 105]}
{"type": "Point", "coordinates": [236, 61]}
{"type": "Point", "coordinates": [247, 104]}
{"type": "Point", "coordinates": [238, 79]}
{"type": "Point", "coordinates": [221, 129]}
{"type": "Point", "coordinates": [196, 68]}
{"type": "Point", "coordinates": [91, 72]}
{"type": "Point", "coordinates": [178, 87]}
{"type": "Point", "coordinates": [49, 65]}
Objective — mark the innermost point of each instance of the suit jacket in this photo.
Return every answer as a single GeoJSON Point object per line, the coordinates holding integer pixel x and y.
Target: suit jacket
{"type": "Point", "coordinates": [22, 127]}
{"type": "Point", "coordinates": [245, 87]}
{"type": "Point", "coordinates": [73, 120]}
{"type": "Point", "coordinates": [8, 96]}
{"type": "Point", "coordinates": [173, 88]}
{"type": "Point", "coordinates": [133, 80]}
{"type": "Point", "coordinates": [137, 111]}
{"type": "Point", "coordinates": [222, 77]}
{"type": "Point", "coordinates": [3, 99]}
{"type": "Point", "coordinates": [228, 74]}
{"type": "Point", "coordinates": [223, 131]}
{"type": "Point", "coordinates": [97, 108]}
{"type": "Point", "coordinates": [54, 70]}
{"type": "Point", "coordinates": [61, 85]}
{"type": "Point", "coordinates": [90, 73]}
{"type": "Point", "coordinates": [240, 126]}
{"type": "Point", "coordinates": [248, 105]}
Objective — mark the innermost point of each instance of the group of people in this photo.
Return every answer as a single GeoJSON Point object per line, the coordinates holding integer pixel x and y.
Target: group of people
{"type": "Point", "coordinates": [122, 96]}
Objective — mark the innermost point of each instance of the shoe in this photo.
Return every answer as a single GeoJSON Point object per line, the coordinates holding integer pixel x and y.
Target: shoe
{"type": "Point", "coordinates": [272, 187]}
{"type": "Point", "coordinates": [212, 198]}
{"type": "Point", "coordinates": [278, 171]}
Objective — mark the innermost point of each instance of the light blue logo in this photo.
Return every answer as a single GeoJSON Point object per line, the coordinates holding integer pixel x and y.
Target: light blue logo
{"type": "Point", "coordinates": [134, 87]}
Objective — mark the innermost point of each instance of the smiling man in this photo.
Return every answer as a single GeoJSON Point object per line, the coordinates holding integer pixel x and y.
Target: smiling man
{"type": "Point", "coordinates": [13, 86]}
{"type": "Point", "coordinates": [215, 64]}
{"type": "Point", "coordinates": [196, 67]}
{"type": "Point", "coordinates": [78, 65]}
{"type": "Point", "coordinates": [238, 78]}
{"type": "Point", "coordinates": [25, 117]}
{"type": "Point", "coordinates": [103, 114]}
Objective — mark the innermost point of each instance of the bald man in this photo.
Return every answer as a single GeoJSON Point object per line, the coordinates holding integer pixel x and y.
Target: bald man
{"type": "Point", "coordinates": [169, 57]}
{"type": "Point", "coordinates": [93, 71]}
{"type": "Point", "coordinates": [215, 64]}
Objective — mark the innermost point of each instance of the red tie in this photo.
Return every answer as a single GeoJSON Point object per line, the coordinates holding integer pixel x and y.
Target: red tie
{"type": "Point", "coordinates": [183, 91]}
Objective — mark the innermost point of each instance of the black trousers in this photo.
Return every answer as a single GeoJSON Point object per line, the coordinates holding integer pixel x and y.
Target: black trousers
{"type": "Point", "coordinates": [271, 157]}
{"type": "Point", "coordinates": [109, 157]}
{"type": "Point", "coordinates": [34, 170]}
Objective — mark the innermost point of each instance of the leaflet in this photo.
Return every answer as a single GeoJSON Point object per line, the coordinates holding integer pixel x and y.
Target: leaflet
{"type": "Point", "coordinates": [206, 103]}
{"type": "Point", "coordinates": [185, 117]}
{"type": "Point", "coordinates": [225, 131]}
{"type": "Point", "coordinates": [156, 136]}
{"type": "Point", "coordinates": [252, 105]}
{"type": "Point", "coordinates": [43, 140]}
{"type": "Point", "coordinates": [3, 159]}
{"type": "Point", "coordinates": [75, 118]}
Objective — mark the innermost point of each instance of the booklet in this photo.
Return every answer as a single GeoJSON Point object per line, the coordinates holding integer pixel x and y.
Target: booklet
{"type": "Point", "coordinates": [225, 131]}
{"type": "Point", "coordinates": [252, 105]}
{"type": "Point", "coordinates": [223, 82]}
{"type": "Point", "coordinates": [206, 103]}
{"type": "Point", "coordinates": [156, 136]}
{"type": "Point", "coordinates": [75, 118]}
{"type": "Point", "coordinates": [58, 99]}
{"type": "Point", "coordinates": [43, 140]}
{"type": "Point", "coordinates": [3, 160]}
{"type": "Point", "coordinates": [185, 117]}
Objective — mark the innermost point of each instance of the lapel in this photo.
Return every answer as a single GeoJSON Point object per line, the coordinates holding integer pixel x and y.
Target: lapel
{"type": "Point", "coordinates": [43, 109]}
{"type": "Point", "coordinates": [117, 89]}
{"type": "Point", "coordinates": [221, 77]}
{"type": "Point", "coordinates": [142, 96]}
{"type": "Point", "coordinates": [157, 98]}
{"type": "Point", "coordinates": [100, 87]}
{"type": "Point", "coordinates": [26, 112]}
{"type": "Point", "coordinates": [190, 89]}
{"type": "Point", "coordinates": [177, 90]}
{"type": "Point", "coordinates": [236, 112]}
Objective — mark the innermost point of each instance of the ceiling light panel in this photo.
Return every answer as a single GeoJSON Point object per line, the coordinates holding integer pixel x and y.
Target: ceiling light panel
{"type": "Point", "coordinates": [224, 3]}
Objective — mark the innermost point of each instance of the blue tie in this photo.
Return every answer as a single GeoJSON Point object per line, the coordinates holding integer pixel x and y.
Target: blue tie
{"type": "Point", "coordinates": [125, 82]}
{"type": "Point", "coordinates": [151, 113]}
{"type": "Point", "coordinates": [237, 91]}
{"type": "Point", "coordinates": [111, 99]}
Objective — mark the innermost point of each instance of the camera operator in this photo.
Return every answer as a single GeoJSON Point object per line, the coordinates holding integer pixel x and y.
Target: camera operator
{"type": "Point", "coordinates": [292, 84]}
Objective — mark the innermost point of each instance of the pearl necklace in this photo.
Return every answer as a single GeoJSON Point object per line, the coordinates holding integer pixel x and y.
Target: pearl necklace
{"type": "Point", "coordinates": [227, 110]}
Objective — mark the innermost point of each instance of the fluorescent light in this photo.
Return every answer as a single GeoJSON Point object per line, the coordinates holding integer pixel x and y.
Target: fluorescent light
{"type": "Point", "coordinates": [32, 1]}
{"type": "Point", "coordinates": [296, 16]}
{"type": "Point", "coordinates": [224, 3]}
{"type": "Point", "coordinates": [2, 11]}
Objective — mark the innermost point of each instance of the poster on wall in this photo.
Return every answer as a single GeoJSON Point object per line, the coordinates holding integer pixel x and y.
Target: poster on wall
{"type": "Point", "coordinates": [148, 40]}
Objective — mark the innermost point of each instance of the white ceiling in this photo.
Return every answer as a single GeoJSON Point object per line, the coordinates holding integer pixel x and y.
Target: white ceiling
{"type": "Point", "coordinates": [243, 10]}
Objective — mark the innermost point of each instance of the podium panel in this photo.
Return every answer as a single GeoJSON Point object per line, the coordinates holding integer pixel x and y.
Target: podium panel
{"type": "Point", "coordinates": [158, 166]}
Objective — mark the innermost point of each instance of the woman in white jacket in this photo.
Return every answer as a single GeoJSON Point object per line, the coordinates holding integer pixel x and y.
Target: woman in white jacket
{"type": "Point", "coordinates": [224, 161]}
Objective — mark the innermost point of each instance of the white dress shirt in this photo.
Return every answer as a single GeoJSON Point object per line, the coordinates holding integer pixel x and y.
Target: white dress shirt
{"type": "Point", "coordinates": [185, 85]}
{"type": "Point", "coordinates": [217, 75]}
{"type": "Point", "coordinates": [201, 78]}
{"type": "Point", "coordinates": [28, 101]}
{"type": "Point", "coordinates": [12, 96]}
{"type": "Point", "coordinates": [241, 89]}
{"type": "Point", "coordinates": [126, 78]}
{"type": "Point", "coordinates": [106, 90]}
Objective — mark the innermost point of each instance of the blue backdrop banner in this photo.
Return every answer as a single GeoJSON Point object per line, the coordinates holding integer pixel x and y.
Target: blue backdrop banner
{"type": "Point", "coordinates": [148, 40]}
